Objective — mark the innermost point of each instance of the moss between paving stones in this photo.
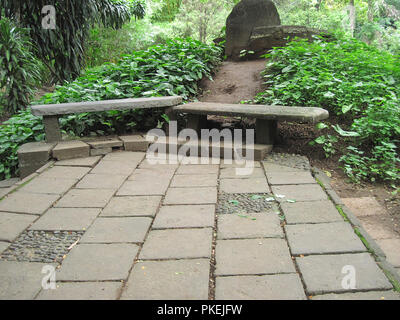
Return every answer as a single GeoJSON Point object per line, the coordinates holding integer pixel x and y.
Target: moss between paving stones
{"type": "Point", "coordinates": [41, 246]}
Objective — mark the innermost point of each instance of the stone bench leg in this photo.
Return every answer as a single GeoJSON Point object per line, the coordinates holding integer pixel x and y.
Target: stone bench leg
{"type": "Point", "coordinates": [266, 131]}
{"type": "Point", "coordinates": [52, 128]}
{"type": "Point", "coordinates": [196, 122]}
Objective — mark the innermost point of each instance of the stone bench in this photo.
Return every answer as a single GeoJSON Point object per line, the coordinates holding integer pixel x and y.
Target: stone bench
{"type": "Point", "coordinates": [266, 116]}
{"type": "Point", "coordinates": [52, 112]}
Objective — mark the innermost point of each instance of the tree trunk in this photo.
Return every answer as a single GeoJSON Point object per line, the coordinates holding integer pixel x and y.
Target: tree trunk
{"type": "Point", "coordinates": [352, 16]}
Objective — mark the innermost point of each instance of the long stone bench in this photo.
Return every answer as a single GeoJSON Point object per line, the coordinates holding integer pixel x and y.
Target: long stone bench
{"type": "Point", "coordinates": [266, 116]}
{"type": "Point", "coordinates": [52, 112]}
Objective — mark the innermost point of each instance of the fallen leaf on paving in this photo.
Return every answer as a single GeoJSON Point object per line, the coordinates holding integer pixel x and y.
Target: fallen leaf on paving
{"type": "Point", "coordinates": [291, 201]}
{"type": "Point", "coordinates": [269, 199]}
{"type": "Point", "coordinates": [280, 196]}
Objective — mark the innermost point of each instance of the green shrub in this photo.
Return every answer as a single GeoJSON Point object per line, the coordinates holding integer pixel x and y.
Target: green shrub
{"type": "Point", "coordinates": [19, 70]}
{"type": "Point", "coordinates": [358, 83]}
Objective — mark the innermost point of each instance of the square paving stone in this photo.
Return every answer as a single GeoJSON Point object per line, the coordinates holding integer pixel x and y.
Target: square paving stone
{"type": "Point", "coordinates": [253, 256]}
{"type": "Point", "coordinates": [98, 262]}
{"type": "Point", "coordinates": [232, 173]}
{"type": "Point", "coordinates": [82, 291]}
{"type": "Point", "coordinates": [205, 195]}
{"type": "Point", "coordinates": [61, 172]}
{"type": "Point", "coordinates": [145, 164]}
{"type": "Point", "coordinates": [182, 181]}
{"type": "Point", "coordinates": [114, 167]}
{"type": "Point", "coordinates": [177, 244]}
{"type": "Point", "coordinates": [280, 168]}
{"type": "Point", "coordinates": [249, 226]}
{"type": "Point", "coordinates": [365, 206]}
{"type": "Point", "coordinates": [185, 216]}
{"type": "Point", "coordinates": [86, 198]}
{"type": "Point", "coordinates": [132, 206]}
{"type": "Point", "coordinates": [311, 212]}
{"type": "Point", "coordinates": [66, 219]}
{"type": "Point", "coordinates": [335, 237]}
{"type": "Point", "coordinates": [29, 203]}
{"type": "Point", "coordinates": [301, 192]}
{"type": "Point", "coordinates": [130, 157]}
{"type": "Point", "coordinates": [268, 287]}
{"type": "Point", "coordinates": [146, 175]}
{"type": "Point", "coordinates": [118, 230]}
{"type": "Point", "coordinates": [254, 185]}
{"type": "Point", "coordinates": [149, 187]}
{"type": "Point", "coordinates": [169, 280]}
{"type": "Point", "coordinates": [323, 273]}
{"type": "Point", "coordinates": [13, 224]}
{"type": "Point", "coordinates": [80, 162]}
{"type": "Point", "coordinates": [391, 247]}
{"type": "Point", "coordinates": [101, 181]}
{"type": "Point", "coordinates": [20, 280]}
{"type": "Point", "coordinates": [49, 185]}
{"type": "Point", "coordinates": [198, 169]}
{"type": "Point", "coordinates": [3, 246]}
{"type": "Point", "coordinates": [278, 178]}
{"type": "Point", "coordinates": [372, 295]}
{"type": "Point", "coordinates": [233, 164]}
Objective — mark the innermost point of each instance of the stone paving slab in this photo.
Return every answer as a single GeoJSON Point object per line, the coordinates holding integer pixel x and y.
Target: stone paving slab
{"type": "Point", "coordinates": [253, 185]}
{"type": "Point", "coordinates": [233, 164]}
{"type": "Point", "coordinates": [185, 216]}
{"type": "Point", "coordinates": [82, 291]}
{"type": "Point", "coordinates": [187, 181]}
{"type": "Point", "coordinates": [249, 225]}
{"type": "Point", "coordinates": [323, 273]}
{"type": "Point", "coordinates": [191, 196]}
{"type": "Point", "coordinates": [66, 219]}
{"type": "Point", "coordinates": [275, 167]}
{"type": "Point", "coordinates": [110, 167]}
{"type": "Point", "coordinates": [365, 206]}
{"type": "Point", "coordinates": [253, 256]}
{"type": "Point", "coordinates": [177, 244]}
{"type": "Point", "coordinates": [13, 224]}
{"type": "Point", "coordinates": [49, 185]}
{"type": "Point", "coordinates": [149, 187]}
{"type": "Point", "coordinates": [64, 172]}
{"type": "Point", "coordinates": [29, 203]}
{"type": "Point", "coordinates": [280, 178]}
{"type": "Point", "coordinates": [3, 246]}
{"type": "Point", "coordinates": [371, 295]}
{"type": "Point", "coordinates": [303, 192]}
{"type": "Point", "coordinates": [132, 206]}
{"type": "Point", "coordinates": [169, 280]}
{"type": "Point", "coordinates": [146, 164]}
{"type": "Point", "coordinates": [79, 162]}
{"type": "Point", "coordinates": [311, 212]}
{"type": "Point", "coordinates": [232, 173]}
{"type": "Point", "coordinates": [117, 230]}
{"type": "Point", "coordinates": [20, 280]}
{"type": "Point", "coordinates": [267, 287]}
{"type": "Point", "coordinates": [146, 174]}
{"type": "Point", "coordinates": [86, 198]}
{"type": "Point", "coordinates": [130, 157]}
{"type": "Point", "coordinates": [198, 169]}
{"type": "Point", "coordinates": [101, 181]}
{"type": "Point", "coordinates": [391, 247]}
{"type": "Point", "coordinates": [335, 237]}
{"type": "Point", "coordinates": [98, 262]}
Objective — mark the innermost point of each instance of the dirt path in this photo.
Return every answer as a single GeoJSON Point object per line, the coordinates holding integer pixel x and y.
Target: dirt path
{"type": "Point", "coordinates": [234, 82]}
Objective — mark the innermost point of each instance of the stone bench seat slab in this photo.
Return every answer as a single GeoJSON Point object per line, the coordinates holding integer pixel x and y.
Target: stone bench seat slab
{"type": "Point", "coordinates": [276, 113]}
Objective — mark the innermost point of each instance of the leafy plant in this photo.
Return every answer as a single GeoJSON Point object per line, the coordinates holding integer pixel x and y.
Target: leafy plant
{"type": "Point", "coordinates": [19, 70]}
{"type": "Point", "coordinates": [356, 82]}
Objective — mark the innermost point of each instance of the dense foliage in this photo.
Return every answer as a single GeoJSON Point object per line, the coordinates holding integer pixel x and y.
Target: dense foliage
{"type": "Point", "coordinates": [62, 48]}
{"type": "Point", "coordinates": [19, 70]}
{"type": "Point", "coordinates": [353, 80]}
{"type": "Point", "coordinates": [163, 70]}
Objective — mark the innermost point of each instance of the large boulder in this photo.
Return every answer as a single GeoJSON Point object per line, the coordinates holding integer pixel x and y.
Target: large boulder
{"type": "Point", "coordinates": [245, 16]}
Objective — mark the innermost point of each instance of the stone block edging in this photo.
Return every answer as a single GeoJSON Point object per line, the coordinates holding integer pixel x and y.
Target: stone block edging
{"type": "Point", "coordinates": [375, 249]}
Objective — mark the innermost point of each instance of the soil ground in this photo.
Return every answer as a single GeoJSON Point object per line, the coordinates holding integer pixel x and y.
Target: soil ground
{"type": "Point", "coordinates": [238, 81]}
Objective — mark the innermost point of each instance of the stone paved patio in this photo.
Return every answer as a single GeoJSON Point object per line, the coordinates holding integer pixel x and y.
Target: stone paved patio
{"type": "Point", "coordinates": [153, 232]}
